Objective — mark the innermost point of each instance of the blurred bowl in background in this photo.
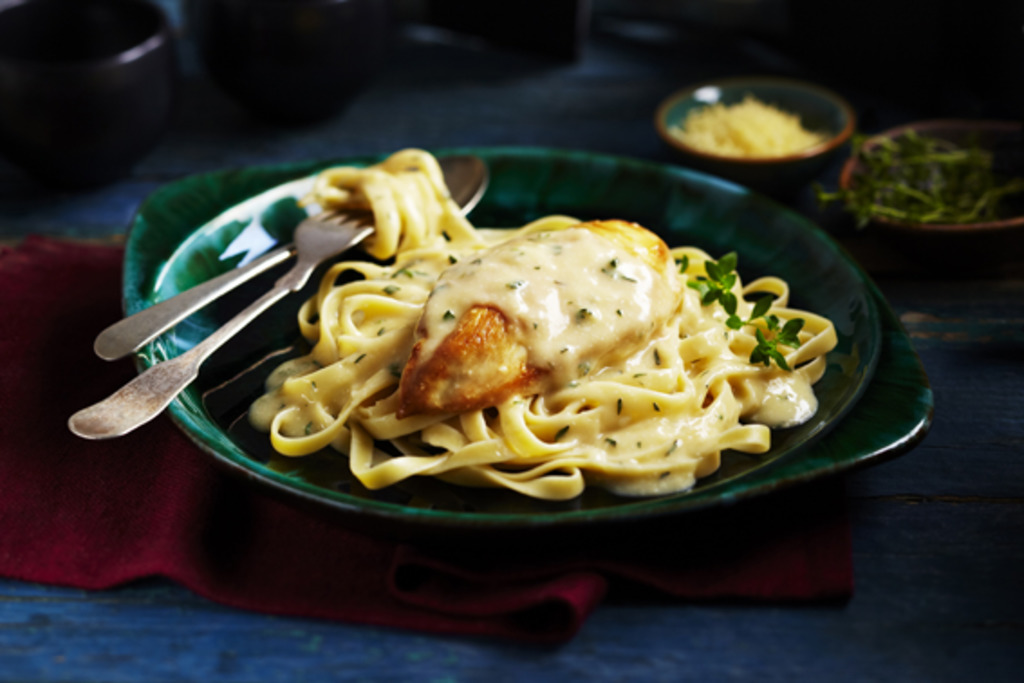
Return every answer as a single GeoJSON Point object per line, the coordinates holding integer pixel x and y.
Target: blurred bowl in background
{"type": "Point", "coordinates": [290, 61]}
{"type": "Point", "coordinates": [964, 246]}
{"type": "Point", "coordinates": [820, 110]}
{"type": "Point", "coordinates": [86, 87]}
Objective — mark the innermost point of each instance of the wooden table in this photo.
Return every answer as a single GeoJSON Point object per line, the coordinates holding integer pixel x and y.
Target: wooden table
{"type": "Point", "coordinates": [937, 533]}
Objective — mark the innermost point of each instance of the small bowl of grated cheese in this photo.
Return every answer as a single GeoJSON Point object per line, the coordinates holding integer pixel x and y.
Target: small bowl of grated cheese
{"type": "Point", "coordinates": [774, 135]}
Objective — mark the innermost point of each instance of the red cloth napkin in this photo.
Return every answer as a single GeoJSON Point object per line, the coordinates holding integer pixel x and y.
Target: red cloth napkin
{"type": "Point", "coordinates": [99, 514]}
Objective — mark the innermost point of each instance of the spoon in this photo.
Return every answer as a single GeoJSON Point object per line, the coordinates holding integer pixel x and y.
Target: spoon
{"type": "Point", "coordinates": [466, 177]}
{"type": "Point", "coordinates": [146, 396]}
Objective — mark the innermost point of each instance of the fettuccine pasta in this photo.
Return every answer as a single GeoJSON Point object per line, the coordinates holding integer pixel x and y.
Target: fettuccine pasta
{"type": "Point", "coordinates": [583, 355]}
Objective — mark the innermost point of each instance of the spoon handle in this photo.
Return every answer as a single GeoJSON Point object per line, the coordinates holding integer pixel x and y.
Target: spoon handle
{"type": "Point", "coordinates": [132, 333]}
{"type": "Point", "coordinates": [146, 396]}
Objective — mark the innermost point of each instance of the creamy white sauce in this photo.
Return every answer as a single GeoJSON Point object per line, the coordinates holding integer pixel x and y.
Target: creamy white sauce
{"type": "Point", "coordinates": [576, 298]}
{"type": "Point", "coordinates": [788, 401]}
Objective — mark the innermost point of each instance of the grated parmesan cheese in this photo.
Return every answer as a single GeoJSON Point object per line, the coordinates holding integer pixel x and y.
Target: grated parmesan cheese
{"type": "Point", "coordinates": [749, 128]}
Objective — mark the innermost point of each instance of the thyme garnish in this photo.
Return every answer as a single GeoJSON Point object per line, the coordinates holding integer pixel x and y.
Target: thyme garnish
{"type": "Point", "coordinates": [767, 350]}
{"type": "Point", "coordinates": [717, 286]}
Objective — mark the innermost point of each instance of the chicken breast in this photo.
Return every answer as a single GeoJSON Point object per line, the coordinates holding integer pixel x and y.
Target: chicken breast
{"type": "Point", "coordinates": [541, 309]}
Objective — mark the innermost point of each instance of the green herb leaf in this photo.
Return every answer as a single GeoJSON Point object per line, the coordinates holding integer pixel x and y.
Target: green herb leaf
{"type": "Point", "coordinates": [761, 307]}
{"type": "Point", "coordinates": [767, 351]}
{"type": "Point", "coordinates": [719, 282]}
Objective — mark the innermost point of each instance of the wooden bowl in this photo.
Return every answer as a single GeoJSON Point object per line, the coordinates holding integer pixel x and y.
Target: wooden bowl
{"type": "Point", "coordinates": [951, 245]}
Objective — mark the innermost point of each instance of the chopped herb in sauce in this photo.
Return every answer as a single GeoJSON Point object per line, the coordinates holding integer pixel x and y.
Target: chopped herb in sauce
{"type": "Point", "coordinates": [409, 272]}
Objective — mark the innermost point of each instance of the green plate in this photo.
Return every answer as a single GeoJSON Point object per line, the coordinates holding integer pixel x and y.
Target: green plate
{"type": "Point", "coordinates": [875, 401]}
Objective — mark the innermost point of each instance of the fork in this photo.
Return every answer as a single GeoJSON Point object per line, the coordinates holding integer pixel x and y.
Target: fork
{"type": "Point", "coordinates": [466, 176]}
{"type": "Point", "coordinates": [130, 334]}
{"type": "Point", "coordinates": [146, 396]}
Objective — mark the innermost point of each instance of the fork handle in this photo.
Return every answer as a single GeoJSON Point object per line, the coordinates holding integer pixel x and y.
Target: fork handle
{"type": "Point", "coordinates": [130, 334]}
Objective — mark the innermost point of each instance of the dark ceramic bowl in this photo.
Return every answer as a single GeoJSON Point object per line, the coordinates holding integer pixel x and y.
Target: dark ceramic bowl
{"type": "Point", "coordinates": [86, 87]}
{"type": "Point", "coordinates": [290, 61]}
{"type": "Point", "coordinates": [819, 110]}
{"type": "Point", "coordinates": [942, 245]}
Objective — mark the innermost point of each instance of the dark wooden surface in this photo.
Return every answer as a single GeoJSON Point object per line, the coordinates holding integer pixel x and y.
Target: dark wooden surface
{"type": "Point", "coordinates": [938, 534]}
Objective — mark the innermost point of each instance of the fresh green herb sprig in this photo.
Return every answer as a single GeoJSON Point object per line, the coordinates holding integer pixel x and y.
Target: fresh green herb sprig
{"type": "Point", "coordinates": [787, 334]}
{"type": "Point", "coordinates": [717, 286]}
{"type": "Point", "coordinates": [761, 307]}
{"type": "Point", "coordinates": [918, 178]}
{"type": "Point", "coordinates": [767, 349]}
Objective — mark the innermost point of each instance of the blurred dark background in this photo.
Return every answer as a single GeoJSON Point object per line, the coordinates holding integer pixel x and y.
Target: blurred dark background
{"type": "Point", "coordinates": [584, 74]}
{"type": "Point", "coordinates": [955, 57]}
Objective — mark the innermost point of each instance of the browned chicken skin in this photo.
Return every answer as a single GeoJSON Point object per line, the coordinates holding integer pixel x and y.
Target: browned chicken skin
{"type": "Point", "coordinates": [479, 364]}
